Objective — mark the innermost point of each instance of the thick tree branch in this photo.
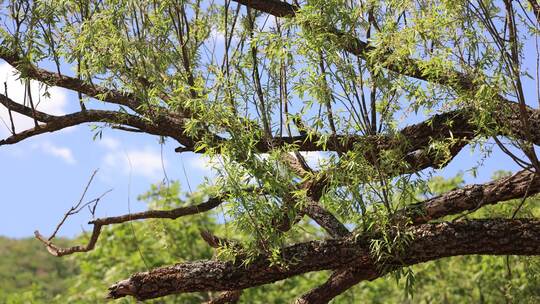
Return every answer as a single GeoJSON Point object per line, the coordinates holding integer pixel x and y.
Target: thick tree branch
{"type": "Point", "coordinates": [414, 141]}
{"type": "Point", "coordinates": [430, 242]}
{"type": "Point", "coordinates": [522, 184]}
{"type": "Point", "coordinates": [276, 8]}
{"type": "Point", "coordinates": [273, 7]}
{"type": "Point", "coordinates": [325, 219]}
{"type": "Point", "coordinates": [519, 185]}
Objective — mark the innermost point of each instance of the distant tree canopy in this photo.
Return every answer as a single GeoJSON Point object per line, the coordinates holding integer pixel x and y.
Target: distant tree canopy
{"type": "Point", "coordinates": [30, 277]}
{"type": "Point", "coordinates": [383, 93]}
{"type": "Point", "coordinates": [27, 272]}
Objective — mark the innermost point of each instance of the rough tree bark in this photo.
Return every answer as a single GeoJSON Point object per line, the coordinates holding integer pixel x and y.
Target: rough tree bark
{"type": "Point", "coordinates": [430, 241]}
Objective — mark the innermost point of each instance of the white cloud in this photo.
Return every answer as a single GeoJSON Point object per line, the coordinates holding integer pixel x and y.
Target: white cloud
{"type": "Point", "coordinates": [61, 152]}
{"type": "Point", "coordinates": [217, 36]}
{"type": "Point", "coordinates": [109, 143]}
{"type": "Point", "coordinates": [146, 162]}
{"type": "Point", "coordinates": [55, 104]}
{"type": "Point", "coordinates": [204, 163]}
{"type": "Point", "coordinates": [200, 162]}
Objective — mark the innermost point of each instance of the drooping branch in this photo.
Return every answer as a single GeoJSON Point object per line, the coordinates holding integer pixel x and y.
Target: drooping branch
{"type": "Point", "coordinates": [62, 122]}
{"type": "Point", "coordinates": [430, 242]}
{"type": "Point", "coordinates": [24, 110]}
{"type": "Point", "coordinates": [161, 125]}
{"type": "Point", "coordinates": [150, 214]}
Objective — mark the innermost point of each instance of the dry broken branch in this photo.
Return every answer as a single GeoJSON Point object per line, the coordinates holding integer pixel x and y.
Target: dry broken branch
{"type": "Point", "coordinates": [150, 214]}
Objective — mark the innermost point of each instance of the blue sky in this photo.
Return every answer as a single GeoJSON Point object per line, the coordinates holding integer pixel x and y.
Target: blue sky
{"type": "Point", "coordinates": [42, 177]}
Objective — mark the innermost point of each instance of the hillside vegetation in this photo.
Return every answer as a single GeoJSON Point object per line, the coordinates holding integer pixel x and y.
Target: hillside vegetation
{"type": "Point", "coordinates": [28, 274]}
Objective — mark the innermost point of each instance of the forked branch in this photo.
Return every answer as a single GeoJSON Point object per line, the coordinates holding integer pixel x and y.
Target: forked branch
{"type": "Point", "coordinates": [150, 214]}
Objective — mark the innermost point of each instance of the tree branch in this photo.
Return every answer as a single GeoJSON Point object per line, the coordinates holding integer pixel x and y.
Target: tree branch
{"type": "Point", "coordinates": [54, 79]}
{"type": "Point", "coordinates": [273, 7]}
{"type": "Point", "coordinates": [150, 214]}
{"type": "Point", "coordinates": [522, 184]}
{"type": "Point", "coordinates": [24, 110]}
{"type": "Point", "coordinates": [339, 282]}
{"type": "Point", "coordinates": [325, 219]}
{"type": "Point", "coordinates": [161, 125]}
{"type": "Point", "coordinates": [535, 8]}
{"type": "Point", "coordinates": [313, 209]}
{"type": "Point", "coordinates": [406, 66]}
{"type": "Point", "coordinates": [519, 185]}
{"type": "Point", "coordinates": [413, 140]}
{"type": "Point", "coordinates": [430, 242]}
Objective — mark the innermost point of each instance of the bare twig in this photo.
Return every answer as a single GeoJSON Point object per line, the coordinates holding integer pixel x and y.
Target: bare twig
{"type": "Point", "coordinates": [74, 209]}
{"type": "Point", "coordinates": [9, 111]}
{"type": "Point", "coordinates": [150, 214]}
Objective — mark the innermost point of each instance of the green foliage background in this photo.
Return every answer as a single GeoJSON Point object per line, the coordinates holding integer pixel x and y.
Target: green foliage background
{"type": "Point", "coordinates": [28, 274]}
